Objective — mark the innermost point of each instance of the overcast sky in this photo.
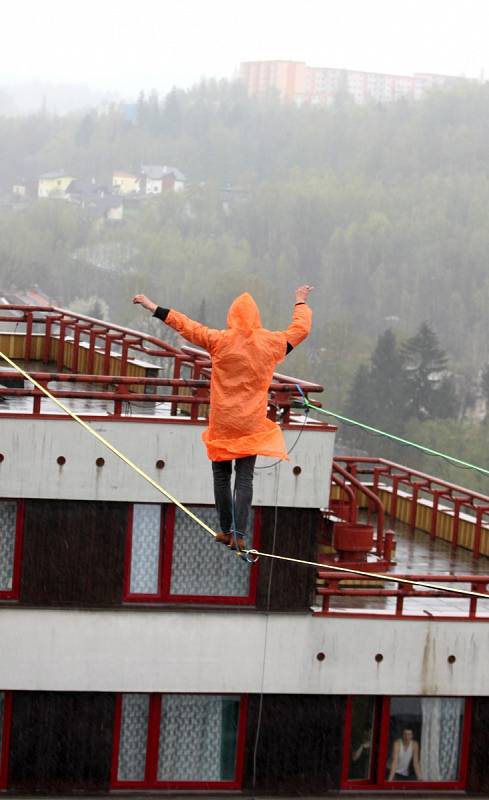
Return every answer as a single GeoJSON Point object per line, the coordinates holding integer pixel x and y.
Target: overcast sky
{"type": "Point", "coordinates": [126, 45]}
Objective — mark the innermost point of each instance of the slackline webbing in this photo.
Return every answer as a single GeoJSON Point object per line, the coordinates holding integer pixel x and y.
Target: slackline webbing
{"type": "Point", "coordinates": [395, 438]}
{"type": "Point", "coordinates": [254, 554]}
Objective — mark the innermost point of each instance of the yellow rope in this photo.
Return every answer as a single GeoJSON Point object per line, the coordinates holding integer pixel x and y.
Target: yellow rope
{"type": "Point", "coordinates": [110, 446]}
{"type": "Point", "coordinates": [381, 575]}
{"type": "Point", "coordinates": [251, 552]}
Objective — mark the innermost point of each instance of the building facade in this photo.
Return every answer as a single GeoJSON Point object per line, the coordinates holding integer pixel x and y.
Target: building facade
{"type": "Point", "coordinates": [54, 184]}
{"type": "Point", "coordinates": [297, 82]}
{"type": "Point", "coordinates": [126, 182]}
{"type": "Point", "coordinates": [139, 655]}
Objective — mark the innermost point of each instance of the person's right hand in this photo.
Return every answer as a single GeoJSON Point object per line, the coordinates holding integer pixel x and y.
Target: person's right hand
{"type": "Point", "coordinates": [302, 292]}
{"type": "Point", "coordinates": [145, 302]}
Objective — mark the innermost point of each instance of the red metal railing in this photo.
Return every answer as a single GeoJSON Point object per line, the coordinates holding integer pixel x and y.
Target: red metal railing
{"type": "Point", "coordinates": [351, 481]}
{"type": "Point", "coordinates": [366, 479]}
{"type": "Point", "coordinates": [84, 345]}
{"type": "Point", "coordinates": [380, 473]}
{"type": "Point", "coordinates": [401, 592]}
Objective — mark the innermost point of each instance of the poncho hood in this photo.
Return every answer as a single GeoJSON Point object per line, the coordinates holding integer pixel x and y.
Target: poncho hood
{"type": "Point", "coordinates": [244, 314]}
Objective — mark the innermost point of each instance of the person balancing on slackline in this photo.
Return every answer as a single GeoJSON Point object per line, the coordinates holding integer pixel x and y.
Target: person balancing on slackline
{"type": "Point", "coordinates": [244, 358]}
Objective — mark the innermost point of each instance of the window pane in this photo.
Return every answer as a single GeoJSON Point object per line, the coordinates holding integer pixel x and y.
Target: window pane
{"type": "Point", "coordinates": [133, 737]}
{"type": "Point", "coordinates": [425, 738]}
{"type": "Point", "coordinates": [145, 551]}
{"type": "Point", "coordinates": [362, 727]}
{"type": "Point", "coordinates": [441, 734]}
{"type": "Point", "coordinates": [202, 567]}
{"type": "Point", "coordinates": [8, 517]}
{"type": "Point", "coordinates": [198, 736]}
{"type": "Point", "coordinates": [404, 738]}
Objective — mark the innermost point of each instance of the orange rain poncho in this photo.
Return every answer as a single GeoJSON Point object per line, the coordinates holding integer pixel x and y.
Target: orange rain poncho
{"type": "Point", "coordinates": [244, 358]}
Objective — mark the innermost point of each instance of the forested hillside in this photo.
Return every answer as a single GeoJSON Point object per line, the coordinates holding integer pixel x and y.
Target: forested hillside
{"type": "Point", "coordinates": [385, 209]}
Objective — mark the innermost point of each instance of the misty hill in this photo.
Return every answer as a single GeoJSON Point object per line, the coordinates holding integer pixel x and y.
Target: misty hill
{"type": "Point", "coordinates": [384, 208]}
{"type": "Point", "coordinates": [54, 98]}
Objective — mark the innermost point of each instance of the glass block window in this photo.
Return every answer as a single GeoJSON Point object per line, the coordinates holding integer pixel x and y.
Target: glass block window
{"type": "Point", "coordinates": [169, 559]}
{"type": "Point", "coordinates": [133, 737]}
{"type": "Point", "coordinates": [2, 706]}
{"type": "Point", "coordinates": [8, 525]}
{"type": "Point", "coordinates": [208, 726]}
{"type": "Point", "coordinates": [176, 740]}
{"type": "Point", "coordinates": [145, 549]}
{"type": "Point", "coordinates": [199, 566]}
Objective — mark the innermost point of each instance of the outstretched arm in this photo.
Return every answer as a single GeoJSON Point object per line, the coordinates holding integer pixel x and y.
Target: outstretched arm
{"type": "Point", "coordinates": [300, 325]}
{"type": "Point", "coordinates": [193, 331]}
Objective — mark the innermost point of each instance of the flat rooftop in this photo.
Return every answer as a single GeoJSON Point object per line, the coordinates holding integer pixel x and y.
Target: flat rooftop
{"type": "Point", "coordinates": [417, 553]}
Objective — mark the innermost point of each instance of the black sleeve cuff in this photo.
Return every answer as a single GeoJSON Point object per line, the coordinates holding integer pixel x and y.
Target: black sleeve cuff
{"type": "Point", "coordinates": [161, 313]}
{"type": "Point", "coordinates": [300, 303]}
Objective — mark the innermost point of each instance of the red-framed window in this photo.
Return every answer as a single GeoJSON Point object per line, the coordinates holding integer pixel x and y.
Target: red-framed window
{"type": "Point", "coordinates": [408, 743]}
{"type": "Point", "coordinates": [174, 741]}
{"type": "Point", "coordinates": [169, 559]}
{"type": "Point", "coordinates": [11, 530]}
{"type": "Point", "coordinates": [5, 718]}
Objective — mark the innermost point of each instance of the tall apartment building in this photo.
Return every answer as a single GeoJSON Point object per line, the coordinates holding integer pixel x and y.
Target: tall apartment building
{"type": "Point", "coordinates": [287, 77]}
{"type": "Point", "coordinates": [297, 82]}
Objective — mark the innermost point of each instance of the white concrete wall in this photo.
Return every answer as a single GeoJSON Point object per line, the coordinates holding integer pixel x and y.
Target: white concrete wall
{"type": "Point", "coordinates": [153, 186]}
{"type": "Point", "coordinates": [31, 448]}
{"type": "Point", "coordinates": [213, 651]}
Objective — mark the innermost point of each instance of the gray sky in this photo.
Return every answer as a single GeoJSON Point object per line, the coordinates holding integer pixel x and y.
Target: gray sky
{"type": "Point", "coordinates": [126, 45]}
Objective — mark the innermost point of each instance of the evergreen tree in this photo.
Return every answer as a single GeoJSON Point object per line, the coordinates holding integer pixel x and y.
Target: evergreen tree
{"type": "Point", "coordinates": [387, 379]}
{"type": "Point", "coordinates": [361, 407]}
{"type": "Point", "coordinates": [430, 393]}
{"type": "Point", "coordinates": [172, 114]}
{"type": "Point", "coordinates": [377, 393]}
{"type": "Point", "coordinates": [85, 130]}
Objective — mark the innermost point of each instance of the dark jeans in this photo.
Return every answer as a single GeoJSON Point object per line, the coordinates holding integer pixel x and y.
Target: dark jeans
{"type": "Point", "coordinates": [243, 492]}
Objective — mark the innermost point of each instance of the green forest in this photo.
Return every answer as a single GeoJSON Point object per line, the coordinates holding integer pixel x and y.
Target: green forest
{"type": "Point", "coordinates": [383, 208]}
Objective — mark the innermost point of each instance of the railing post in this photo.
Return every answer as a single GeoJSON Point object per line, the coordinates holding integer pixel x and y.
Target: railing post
{"type": "Point", "coordinates": [76, 347]}
{"type": "Point", "coordinates": [107, 349]}
{"type": "Point", "coordinates": [414, 506]}
{"type": "Point", "coordinates": [475, 587]}
{"type": "Point", "coordinates": [375, 484]}
{"type": "Point", "coordinates": [124, 357]}
{"type": "Point", "coordinates": [36, 404]}
{"type": "Point", "coordinates": [393, 503]}
{"type": "Point", "coordinates": [91, 350]}
{"type": "Point", "coordinates": [28, 337]}
{"type": "Point", "coordinates": [400, 600]}
{"type": "Point", "coordinates": [61, 346]}
{"type": "Point", "coordinates": [388, 545]}
{"type": "Point", "coordinates": [434, 512]}
{"type": "Point", "coordinates": [47, 339]}
{"type": "Point", "coordinates": [177, 369]}
{"type": "Point", "coordinates": [118, 403]}
{"type": "Point", "coordinates": [476, 550]}
{"type": "Point", "coordinates": [457, 503]}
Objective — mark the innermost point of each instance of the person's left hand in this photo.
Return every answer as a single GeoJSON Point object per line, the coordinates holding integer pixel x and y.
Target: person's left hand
{"type": "Point", "coordinates": [302, 292]}
{"type": "Point", "coordinates": [144, 301]}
